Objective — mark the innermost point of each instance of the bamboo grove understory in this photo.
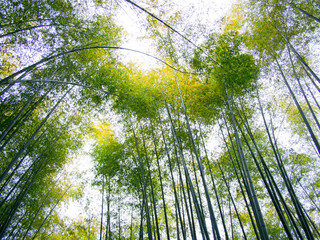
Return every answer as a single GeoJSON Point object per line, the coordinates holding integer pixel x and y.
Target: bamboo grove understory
{"type": "Point", "coordinates": [218, 140]}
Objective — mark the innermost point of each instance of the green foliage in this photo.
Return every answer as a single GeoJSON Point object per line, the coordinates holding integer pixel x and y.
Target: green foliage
{"type": "Point", "coordinates": [225, 68]}
{"type": "Point", "coordinates": [155, 136]}
{"type": "Point", "coordinates": [109, 154]}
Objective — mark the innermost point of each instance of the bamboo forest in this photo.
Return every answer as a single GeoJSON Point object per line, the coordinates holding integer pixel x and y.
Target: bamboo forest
{"type": "Point", "coordinates": [160, 119]}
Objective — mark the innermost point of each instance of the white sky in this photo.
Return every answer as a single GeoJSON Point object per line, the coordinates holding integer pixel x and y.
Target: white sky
{"type": "Point", "coordinates": [203, 11]}
{"type": "Point", "coordinates": [206, 12]}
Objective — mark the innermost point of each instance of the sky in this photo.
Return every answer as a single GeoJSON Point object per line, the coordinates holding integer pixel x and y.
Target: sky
{"type": "Point", "coordinates": [207, 13]}
{"type": "Point", "coordinates": [203, 12]}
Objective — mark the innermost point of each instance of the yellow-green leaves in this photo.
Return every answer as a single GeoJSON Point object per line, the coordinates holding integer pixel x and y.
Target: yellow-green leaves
{"type": "Point", "coordinates": [235, 20]}
{"type": "Point", "coordinates": [101, 132]}
{"type": "Point", "coordinates": [8, 62]}
{"type": "Point", "coordinates": [225, 68]}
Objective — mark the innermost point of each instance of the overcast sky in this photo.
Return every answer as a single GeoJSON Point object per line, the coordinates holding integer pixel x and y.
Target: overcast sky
{"type": "Point", "coordinates": [206, 12]}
